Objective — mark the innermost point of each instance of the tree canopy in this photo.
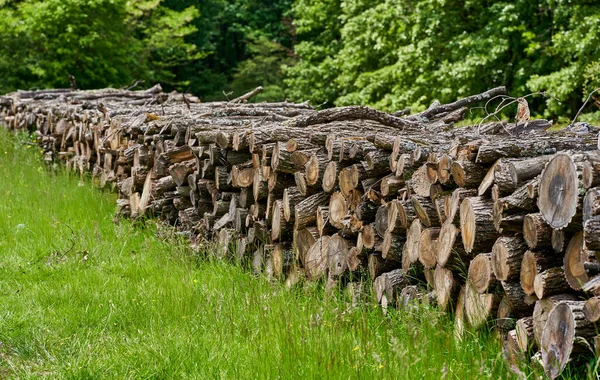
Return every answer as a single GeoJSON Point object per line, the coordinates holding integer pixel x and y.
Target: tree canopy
{"type": "Point", "coordinates": [382, 53]}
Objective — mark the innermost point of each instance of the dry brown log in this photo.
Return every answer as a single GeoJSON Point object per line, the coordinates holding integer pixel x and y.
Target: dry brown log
{"type": "Point", "coordinates": [282, 258]}
{"type": "Point", "coordinates": [350, 178]}
{"type": "Point", "coordinates": [428, 247]}
{"type": "Point", "coordinates": [512, 173]}
{"type": "Point", "coordinates": [388, 286]}
{"type": "Point", "coordinates": [591, 204]}
{"type": "Point", "coordinates": [536, 232]}
{"type": "Point", "coordinates": [529, 147]}
{"type": "Point", "coordinates": [425, 211]}
{"type": "Point", "coordinates": [305, 212]}
{"type": "Point", "coordinates": [338, 209]}
{"type": "Point", "coordinates": [507, 254]}
{"type": "Point", "coordinates": [316, 261]}
{"type": "Point", "coordinates": [370, 239]}
{"type": "Point", "coordinates": [381, 220]}
{"type": "Point", "coordinates": [574, 262]}
{"type": "Point", "coordinates": [304, 238]}
{"type": "Point", "coordinates": [480, 307]}
{"type": "Point", "coordinates": [534, 263]}
{"type": "Point", "coordinates": [476, 225]}
{"type": "Point", "coordinates": [337, 254]}
{"type": "Point", "coordinates": [392, 246]}
{"type": "Point", "coordinates": [445, 287]}
{"type": "Point", "coordinates": [291, 197]}
{"type": "Point", "coordinates": [525, 337]}
{"type": "Point", "coordinates": [550, 282]}
{"type": "Point", "coordinates": [558, 191]}
{"type": "Point", "coordinates": [280, 229]}
{"type": "Point", "coordinates": [591, 310]}
{"type": "Point", "coordinates": [564, 334]}
{"type": "Point", "coordinates": [481, 276]}
{"type": "Point", "coordinates": [591, 171]}
{"type": "Point", "coordinates": [314, 168]}
{"type": "Point", "coordinates": [449, 245]}
{"type": "Point", "coordinates": [452, 207]}
{"type": "Point", "coordinates": [467, 174]}
{"type": "Point", "coordinates": [410, 254]}
{"type": "Point", "coordinates": [390, 185]}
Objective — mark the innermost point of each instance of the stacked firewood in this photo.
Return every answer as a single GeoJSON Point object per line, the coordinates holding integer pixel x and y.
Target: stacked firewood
{"type": "Point", "coordinates": [498, 223]}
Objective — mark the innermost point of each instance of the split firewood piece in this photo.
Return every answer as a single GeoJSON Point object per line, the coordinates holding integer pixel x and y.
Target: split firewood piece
{"type": "Point", "coordinates": [467, 174]}
{"type": "Point", "coordinates": [304, 238]}
{"type": "Point", "coordinates": [558, 191]}
{"type": "Point", "coordinates": [410, 254]}
{"type": "Point", "coordinates": [525, 338]}
{"type": "Point", "coordinates": [324, 226]}
{"type": "Point", "coordinates": [488, 180]}
{"type": "Point", "coordinates": [459, 315]}
{"type": "Point", "coordinates": [534, 263]}
{"type": "Point", "coordinates": [299, 143]}
{"type": "Point", "coordinates": [338, 209]}
{"type": "Point", "coordinates": [303, 187]}
{"type": "Point", "coordinates": [591, 309]}
{"type": "Point", "coordinates": [357, 259]}
{"type": "Point", "coordinates": [280, 229]}
{"type": "Point", "coordinates": [574, 262]}
{"type": "Point", "coordinates": [550, 282]}
{"type": "Point", "coordinates": [240, 220]}
{"type": "Point", "coordinates": [444, 170]}
{"type": "Point", "coordinates": [425, 211]}
{"type": "Point", "coordinates": [480, 307]}
{"type": "Point", "coordinates": [591, 171]}
{"type": "Point", "coordinates": [514, 356]}
{"type": "Point", "coordinates": [305, 212]}
{"type": "Point", "coordinates": [445, 287]}
{"type": "Point", "coordinates": [428, 247]}
{"type": "Point", "coordinates": [330, 176]}
{"type": "Point", "coordinates": [378, 265]}
{"type": "Point", "coordinates": [390, 185]}
{"type": "Point", "coordinates": [536, 232]}
{"type": "Point", "coordinates": [510, 174]}
{"type": "Point", "coordinates": [565, 334]}
{"type": "Point", "coordinates": [315, 167]}
{"type": "Point", "coordinates": [242, 176]}
{"type": "Point", "coordinates": [388, 286]}
{"type": "Point", "coordinates": [316, 260]}
{"type": "Point", "coordinates": [452, 207]}
{"type": "Point", "coordinates": [420, 183]}
{"type": "Point", "coordinates": [505, 320]}
{"type": "Point", "coordinates": [392, 246]}
{"type": "Point", "coordinates": [481, 276]}
{"type": "Point", "coordinates": [350, 177]}
{"type": "Point", "coordinates": [507, 254]}
{"type": "Point", "coordinates": [291, 197]}
{"type": "Point", "coordinates": [370, 239]}
{"type": "Point", "coordinates": [377, 162]}
{"type": "Point", "coordinates": [277, 182]}
{"type": "Point", "coordinates": [476, 226]}
{"type": "Point", "coordinates": [400, 215]}
{"type": "Point", "coordinates": [260, 186]}
{"type": "Point", "coordinates": [449, 245]}
{"type": "Point", "coordinates": [381, 220]}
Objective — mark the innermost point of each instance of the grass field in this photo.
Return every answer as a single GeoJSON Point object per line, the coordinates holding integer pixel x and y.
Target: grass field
{"type": "Point", "coordinates": [82, 297]}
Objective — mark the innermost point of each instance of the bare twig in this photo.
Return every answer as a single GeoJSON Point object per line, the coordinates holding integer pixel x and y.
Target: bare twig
{"type": "Point", "coordinates": [244, 98]}
{"type": "Point", "coordinates": [584, 105]}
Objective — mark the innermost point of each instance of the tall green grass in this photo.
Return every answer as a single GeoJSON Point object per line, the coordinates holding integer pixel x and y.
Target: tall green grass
{"type": "Point", "coordinates": [83, 297]}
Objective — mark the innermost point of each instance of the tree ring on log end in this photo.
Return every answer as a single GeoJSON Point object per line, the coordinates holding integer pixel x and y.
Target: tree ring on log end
{"type": "Point", "coordinates": [557, 199]}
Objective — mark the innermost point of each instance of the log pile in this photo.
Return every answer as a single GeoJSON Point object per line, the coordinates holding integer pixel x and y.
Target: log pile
{"type": "Point", "coordinates": [499, 228]}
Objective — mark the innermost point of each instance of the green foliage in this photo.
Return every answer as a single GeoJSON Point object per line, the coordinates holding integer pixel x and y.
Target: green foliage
{"type": "Point", "coordinates": [100, 42]}
{"type": "Point", "coordinates": [391, 54]}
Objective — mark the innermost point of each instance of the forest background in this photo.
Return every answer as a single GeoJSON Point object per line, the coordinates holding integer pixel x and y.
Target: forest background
{"type": "Point", "coordinates": [386, 54]}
